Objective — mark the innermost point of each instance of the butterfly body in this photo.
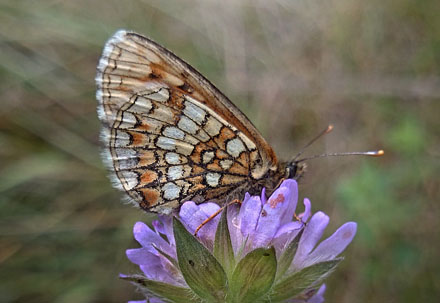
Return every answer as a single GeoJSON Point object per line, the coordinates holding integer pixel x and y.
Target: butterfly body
{"type": "Point", "coordinates": [172, 136]}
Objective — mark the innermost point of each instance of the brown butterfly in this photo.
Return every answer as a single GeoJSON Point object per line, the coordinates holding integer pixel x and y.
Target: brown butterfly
{"type": "Point", "coordinates": [172, 136]}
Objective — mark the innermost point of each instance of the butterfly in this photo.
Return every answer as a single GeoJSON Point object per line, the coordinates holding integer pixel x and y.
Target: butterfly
{"type": "Point", "coordinates": [172, 136]}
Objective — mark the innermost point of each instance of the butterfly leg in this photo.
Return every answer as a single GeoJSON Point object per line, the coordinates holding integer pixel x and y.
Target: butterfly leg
{"type": "Point", "coordinates": [279, 182]}
{"type": "Point", "coordinates": [299, 219]}
{"type": "Point", "coordinates": [236, 201]}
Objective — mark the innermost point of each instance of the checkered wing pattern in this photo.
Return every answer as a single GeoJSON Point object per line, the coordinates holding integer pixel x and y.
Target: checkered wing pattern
{"type": "Point", "coordinates": [171, 136]}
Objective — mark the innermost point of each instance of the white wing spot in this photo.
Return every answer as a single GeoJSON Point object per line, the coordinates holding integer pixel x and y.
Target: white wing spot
{"type": "Point", "coordinates": [212, 126]}
{"type": "Point", "coordinates": [175, 172]}
{"type": "Point", "coordinates": [122, 139]}
{"type": "Point", "coordinates": [129, 179]}
{"type": "Point", "coordinates": [126, 163]}
{"type": "Point", "coordinates": [207, 157]}
{"type": "Point", "coordinates": [166, 143]}
{"type": "Point", "coordinates": [124, 153]}
{"type": "Point", "coordinates": [226, 164]}
{"type": "Point", "coordinates": [128, 120]}
{"type": "Point", "coordinates": [172, 158]}
{"type": "Point", "coordinates": [174, 132]}
{"type": "Point", "coordinates": [202, 136]}
{"type": "Point", "coordinates": [170, 191]}
{"type": "Point", "coordinates": [235, 147]}
{"type": "Point", "coordinates": [212, 179]}
{"type": "Point", "coordinates": [142, 105]}
{"type": "Point", "coordinates": [162, 95]}
{"type": "Point", "coordinates": [187, 125]}
{"type": "Point", "coordinates": [194, 112]}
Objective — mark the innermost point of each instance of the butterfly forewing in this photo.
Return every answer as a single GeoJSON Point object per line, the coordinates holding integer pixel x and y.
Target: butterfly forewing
{"type": "Point", "coordinates": [171, 135]}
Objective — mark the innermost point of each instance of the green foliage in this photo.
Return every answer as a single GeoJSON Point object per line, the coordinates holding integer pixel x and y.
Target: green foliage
{"type": "Point", "coordinates": [223, 250]}
{"type": "Point", "coordinates": [253, 276]}
{"type": "Point", "coordinates": [168, 292]}
{"type": "Point", "coordinates": [408, 137]}
{"type": "Point", "coordinates": [200, 269]}
{"type": "Point", "coordinates": [295, 283]}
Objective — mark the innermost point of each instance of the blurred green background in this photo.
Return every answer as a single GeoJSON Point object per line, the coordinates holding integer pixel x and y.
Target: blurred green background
{"type": "Point", "coordinates": [369, 67]}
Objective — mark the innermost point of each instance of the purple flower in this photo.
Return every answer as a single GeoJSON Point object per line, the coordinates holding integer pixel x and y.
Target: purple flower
{"type": "Point", "coordinates": [258, 243]}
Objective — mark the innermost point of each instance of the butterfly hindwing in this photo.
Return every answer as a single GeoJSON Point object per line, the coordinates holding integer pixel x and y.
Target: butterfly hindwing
{"type": "Point", "coordinates": [171, 135]}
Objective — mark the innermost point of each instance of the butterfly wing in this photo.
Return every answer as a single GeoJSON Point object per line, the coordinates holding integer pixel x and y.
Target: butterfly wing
{"type": "Point", "coordinates": [171, 135]}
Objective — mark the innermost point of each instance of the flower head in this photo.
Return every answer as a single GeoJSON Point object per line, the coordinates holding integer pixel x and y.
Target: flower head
{"type": "Point", "coordinates": [256, 252]}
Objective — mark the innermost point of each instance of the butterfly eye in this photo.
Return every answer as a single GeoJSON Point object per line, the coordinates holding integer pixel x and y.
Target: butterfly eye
{"type": "Point", "coordinates": [291, 170]}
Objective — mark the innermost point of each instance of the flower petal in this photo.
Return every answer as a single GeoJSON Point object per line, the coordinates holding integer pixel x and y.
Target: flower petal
{"type": "Point", "coordinates": [331, 247]}
{"type": "Point", "coordinates": [263, 196]}
{"type": "Point", "coordinates": [312, 233]}
{"type": "Point", "coordinates": [158, 227]}
{"type": "Point", "coordinates": [140, 256]}
{"type": "Point", "coordinates": [285, 235]}
{"type": "Point", "coordinates": [288, 228]}
{"type": "Point", "coordinates": [156, 272]}
{"type": "Point", "coordinates": [146, 259]}
{"type": "Point", "coordinates": [152, 267]}
{"type": "Point", "coordinates": [192, 215]}
{"type": "Point", "coordinates": [291, 198]}
{"type": "Point", "coordinates": [167, 230]}
{"type": "Point", "coordinates": [249, 214]}
{"type": "Point", "coordinates": [276, 212]}
{"type": "Point", "coordinates": [148, 238]}
{"type": "Point", "coordinates": [234, 226]}
{"type": "Point", "coordinates": [307, 211]}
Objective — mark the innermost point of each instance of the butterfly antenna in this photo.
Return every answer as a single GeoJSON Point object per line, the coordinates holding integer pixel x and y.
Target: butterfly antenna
{"type": "Point", "coordinates": [324, 132]}
{"type": "Point", "coordinates": [375, 153]}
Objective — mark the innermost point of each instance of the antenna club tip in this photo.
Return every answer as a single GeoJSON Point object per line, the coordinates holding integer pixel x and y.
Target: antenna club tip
{"type": "Point", "coordinates": [376, 153]}
{"type": "Point", "coordinates": [329, 128]}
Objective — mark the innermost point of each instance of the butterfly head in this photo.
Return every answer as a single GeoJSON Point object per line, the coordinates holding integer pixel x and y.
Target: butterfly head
{"type": "Point", "coordinates": [294, 169]}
